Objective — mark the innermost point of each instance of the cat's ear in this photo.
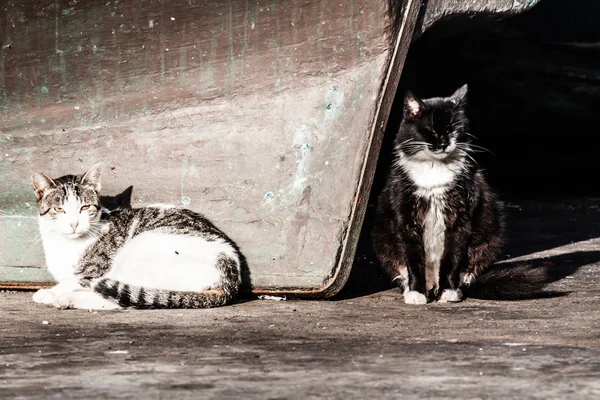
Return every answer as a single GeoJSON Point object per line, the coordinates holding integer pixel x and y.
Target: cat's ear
{"type": "Point", "coordinates": [412, 105]}
{"type": "Point", "coordinates": [41, 183]}
{"type": "Point", "coordinates": [460, 96]}
{"type": "Point", "coordinates": [92, 177]}
{"type": "Point", "coordinates": [125, 197]}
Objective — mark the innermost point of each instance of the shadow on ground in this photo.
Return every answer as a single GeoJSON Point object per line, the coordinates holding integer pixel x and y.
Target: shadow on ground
{"type": "Point", "coordinates": [532, 227]}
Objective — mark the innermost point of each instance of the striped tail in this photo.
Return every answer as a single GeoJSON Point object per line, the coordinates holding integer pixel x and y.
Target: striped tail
{"type": "Point", "coordinates": [138, 297]}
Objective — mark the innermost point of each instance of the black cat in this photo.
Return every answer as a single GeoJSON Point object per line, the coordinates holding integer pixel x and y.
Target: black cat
{"type": "Point", "coordinates": [109, 204]}
{"type": "Point", "coordinates": [438, 225]}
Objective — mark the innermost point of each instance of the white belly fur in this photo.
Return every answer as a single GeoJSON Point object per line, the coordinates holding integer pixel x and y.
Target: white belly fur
{"type": "Point", "coordinates": [432, 179]}
{"type": "Point", "coordinates": [62, 255]}
{"type": "Point", "coordinates": [171, 262]}
{"type": "Point", "coordinates": [434, 236]}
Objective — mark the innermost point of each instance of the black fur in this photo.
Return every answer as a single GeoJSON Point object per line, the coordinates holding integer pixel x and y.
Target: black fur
{"type": "Point", "coordinates": [509, 283]}
{"type": "Point", "coordinates": [117, 202]}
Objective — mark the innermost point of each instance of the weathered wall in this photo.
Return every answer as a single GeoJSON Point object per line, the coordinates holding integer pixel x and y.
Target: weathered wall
{"type": "Point", "coordinates": [257, 114]}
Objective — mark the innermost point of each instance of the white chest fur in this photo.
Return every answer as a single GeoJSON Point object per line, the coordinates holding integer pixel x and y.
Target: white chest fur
{"type": "Point", "coordinates": [432, 178]}
{"type": "Point", "coordinates": [62, 254]}
{"type": "Point", "coordinates": [434, 237]}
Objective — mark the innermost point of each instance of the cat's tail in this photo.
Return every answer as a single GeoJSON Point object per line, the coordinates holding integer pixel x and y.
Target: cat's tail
{"type": "Point", "coordinates": [139, 297]}
{"type": "Point", "coordinates": [508, 283]}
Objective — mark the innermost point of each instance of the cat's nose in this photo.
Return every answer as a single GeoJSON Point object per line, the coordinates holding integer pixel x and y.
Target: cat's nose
{"type": "Point", "coordinates": [74, 226]}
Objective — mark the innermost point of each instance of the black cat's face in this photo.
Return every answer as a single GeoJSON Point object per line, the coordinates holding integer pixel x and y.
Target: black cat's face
{"type": "Point", "coordinates": [434, 128]}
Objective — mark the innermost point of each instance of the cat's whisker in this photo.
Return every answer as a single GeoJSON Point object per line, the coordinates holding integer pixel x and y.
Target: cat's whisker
{"type": "Point", "coordinates": [468, 150]}
{"type": "Point", "coordinates": [92, 233]}
{"type": "Point", "coordinates": [415, 146]}
{"type": "Point", "coordinates": [477, 147]}
{"type": "Point", "coordinates": [472, 159]}
{"type": "Point", "coordinates": [421, 143]}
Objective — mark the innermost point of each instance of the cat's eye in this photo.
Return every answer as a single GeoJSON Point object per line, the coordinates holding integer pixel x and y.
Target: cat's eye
{"type": "Point", "coordinates": [86, 207]}
{"type": "Point", "coordinates": [58, 209]}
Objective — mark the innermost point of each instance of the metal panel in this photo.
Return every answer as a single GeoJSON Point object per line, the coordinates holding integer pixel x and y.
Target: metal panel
{"type": "Point", "coordinates": [264, 116]}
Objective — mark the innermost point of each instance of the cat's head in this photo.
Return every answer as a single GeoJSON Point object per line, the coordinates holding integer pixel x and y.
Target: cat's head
{"type": "Point", "coordinates": [435, 128]}
{"type": "Point", "coordinates": [121, 201]}
{"type": "Point", "coordinates": [69, 205]}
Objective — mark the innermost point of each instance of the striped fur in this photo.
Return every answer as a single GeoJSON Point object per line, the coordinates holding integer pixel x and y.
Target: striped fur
{"type": "Point", "coordinates": [138, 297]}
{"type": "Point", "coordinates": [159, 256]}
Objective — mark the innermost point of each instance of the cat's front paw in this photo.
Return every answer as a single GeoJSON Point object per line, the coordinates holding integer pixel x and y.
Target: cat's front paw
{"type": "Point", "coordinates": [84, 300]}
{"type": "Point", "coordinates": [451, 296]}
{"type": "Point", "coordinates": [414, 297]}
{"type": "Point", "coordinates": [44, 296]}
{"type": "Point", "coordinates": [63, 301]}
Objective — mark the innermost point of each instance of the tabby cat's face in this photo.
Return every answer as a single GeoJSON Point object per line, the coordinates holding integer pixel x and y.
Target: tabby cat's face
{"type": "Point", "coordinates": [69, 205]}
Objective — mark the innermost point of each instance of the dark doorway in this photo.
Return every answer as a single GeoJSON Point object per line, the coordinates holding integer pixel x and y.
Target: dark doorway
{"type": "Point", "coordinates": [534, 102]}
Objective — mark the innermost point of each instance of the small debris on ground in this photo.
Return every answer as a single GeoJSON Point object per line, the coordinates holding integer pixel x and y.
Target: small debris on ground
{"type": "Point", "coordinates": [118, 352]}
{"type": "Point", "coordinates": [268, 297]}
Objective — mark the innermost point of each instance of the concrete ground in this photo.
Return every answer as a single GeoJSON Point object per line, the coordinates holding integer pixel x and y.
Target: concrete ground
{"type": "Point", "coordinates": [365, 343]}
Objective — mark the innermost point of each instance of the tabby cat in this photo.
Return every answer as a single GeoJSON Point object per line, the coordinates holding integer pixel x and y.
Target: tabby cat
{"type": "Point", "coordinates": [159, 256]}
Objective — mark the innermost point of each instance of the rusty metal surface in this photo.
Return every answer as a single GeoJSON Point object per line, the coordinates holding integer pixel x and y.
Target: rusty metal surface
{"type": "Point", "coordinates": [436, 10]}
{"type": "Point", "coordinates": [256, 114]}
{"type": "Point", "coordinates": [26, 285]}
{"type": "Point", "coordinates": [402, 40]}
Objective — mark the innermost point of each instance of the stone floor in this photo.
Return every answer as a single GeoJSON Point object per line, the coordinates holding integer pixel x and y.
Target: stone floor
{"type": "Point", "coordinates": [365, 343]}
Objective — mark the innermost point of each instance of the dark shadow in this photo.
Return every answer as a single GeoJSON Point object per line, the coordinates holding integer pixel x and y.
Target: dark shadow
{"type": "Point", "coordinates": [534, 101]}
{"type": "Point", "coordinates": [533, 82]}
{"type": "Point", "coordinates": [121, 200]}
{"type": "Point", "coordinates": [560, 266]}
{"type": "Point", "coordinates": [369, 279]}
{"type": "Point", "coordinates": [532, 226]}
{"type": "Point", "coordinates": [555, 268]}
{"type": "Point", "coordinates": [537, 225]}
{"type": "Point", "coordinates": [367, 276]}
